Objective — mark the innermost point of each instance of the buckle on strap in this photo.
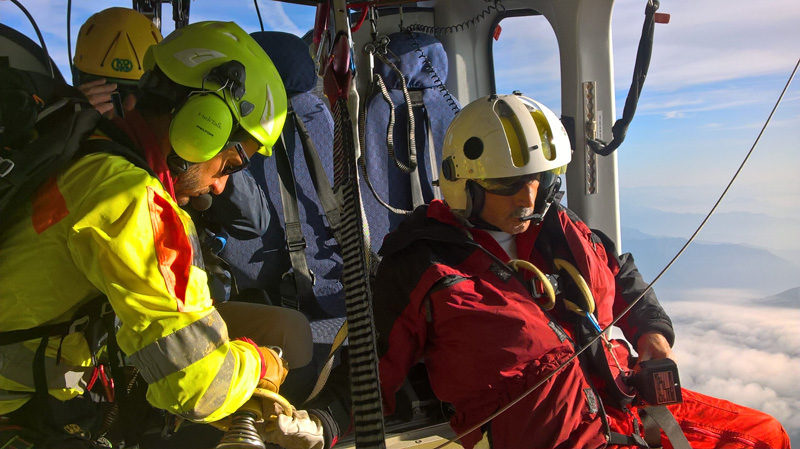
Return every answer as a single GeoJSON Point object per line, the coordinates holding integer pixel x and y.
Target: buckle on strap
{"type": "Point", "coordinates": [6, 165]}
{"type": "Point", "coordinates": [83, 322]}
{"type": "Point", "coordinates": [297, 245]}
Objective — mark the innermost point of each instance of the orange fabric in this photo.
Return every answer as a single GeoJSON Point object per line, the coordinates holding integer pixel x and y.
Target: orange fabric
{"type": "Point", "coordinates": [173, 248]}
{"type": "Point", "coordinates": [712, 423]}
{"type": "Point", "coordinates": [49, 206]}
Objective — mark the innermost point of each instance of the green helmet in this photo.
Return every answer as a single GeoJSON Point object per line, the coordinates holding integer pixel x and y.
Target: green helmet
{"type": "Point", "coordinates": [189, 57]}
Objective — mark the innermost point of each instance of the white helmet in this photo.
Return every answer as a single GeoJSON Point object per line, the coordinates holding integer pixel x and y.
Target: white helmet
{"type": "Point", "coordinates": [500, 136]}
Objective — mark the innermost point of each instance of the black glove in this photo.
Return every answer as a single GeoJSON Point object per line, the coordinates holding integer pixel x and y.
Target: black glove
{"type": "Point", "coordinates": [330, 430]}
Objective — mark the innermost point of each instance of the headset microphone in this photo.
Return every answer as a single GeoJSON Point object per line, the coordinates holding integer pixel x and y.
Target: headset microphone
{"type": "Point", "coordinates": [202, 202]}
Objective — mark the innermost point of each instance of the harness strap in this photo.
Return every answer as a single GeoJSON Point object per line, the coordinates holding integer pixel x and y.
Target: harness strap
{"type": "Point", "coordinates": [658, 418]}
{"type": "Point", "coordinates": [18, 336]}
{"type": "Point", "coordinates": [295, 241]}
{"type": "Point", "coordinates": [330, 204]}
{"type": "Point", "coordinates": [322, 379]}
{"type": "Point", "coordinates": [619, 439]}
{"type": "Point", "coordinates": [84, 317]}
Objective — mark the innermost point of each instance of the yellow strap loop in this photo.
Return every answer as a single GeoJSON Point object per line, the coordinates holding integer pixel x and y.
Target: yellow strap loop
{"type": "Point", "coordinates": [548, 287]}
{"type": "Point", "coordinates": [562, 264]}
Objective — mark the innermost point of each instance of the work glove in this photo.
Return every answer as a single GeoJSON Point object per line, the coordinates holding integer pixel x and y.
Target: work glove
{"type": "Point", "coordinates": [266, 392]}
{"type": "Point", "coordinates": [276, 371]}
{"type": "Point", "coordinates": [300, 430]}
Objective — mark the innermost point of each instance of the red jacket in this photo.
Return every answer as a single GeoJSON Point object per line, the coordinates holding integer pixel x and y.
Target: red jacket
{"type": "Point", "coordinates": [444, 296]}
{"type": "Point", "coordinates": [436, 291]}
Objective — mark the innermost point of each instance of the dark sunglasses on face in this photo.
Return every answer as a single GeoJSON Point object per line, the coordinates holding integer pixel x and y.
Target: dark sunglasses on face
{"type": "Point", "coordinates": [231, 169]}
{"type": "Point", "coordinates": [512, 185]}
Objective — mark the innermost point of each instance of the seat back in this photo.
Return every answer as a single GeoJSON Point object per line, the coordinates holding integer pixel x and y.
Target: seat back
{"type": "Point", "coordinates": [264, 262]}
{"type": "Point", "coordinates": [423, 62]}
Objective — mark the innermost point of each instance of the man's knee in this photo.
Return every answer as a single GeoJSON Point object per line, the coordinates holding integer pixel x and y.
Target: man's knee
{"type": "Point", "coordinates": [299, 343]}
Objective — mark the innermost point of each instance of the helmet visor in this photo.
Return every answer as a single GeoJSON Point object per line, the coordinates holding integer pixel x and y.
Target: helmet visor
{"type": "Point", "coordinates": [512, 185]}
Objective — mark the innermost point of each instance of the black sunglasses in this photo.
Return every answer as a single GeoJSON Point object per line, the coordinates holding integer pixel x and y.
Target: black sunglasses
{"type": "Point", "coordinates": [231, 169]}
{"type": "Point", "coordinates": [512, 185]}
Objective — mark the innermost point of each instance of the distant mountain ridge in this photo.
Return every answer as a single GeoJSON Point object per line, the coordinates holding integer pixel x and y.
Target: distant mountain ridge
{"type": "Point", "coordinates": [757, 229]}
{"type": "Point", "coordinates": [710, 265]}
{"type": "Point", "coordinates": [789, 298]}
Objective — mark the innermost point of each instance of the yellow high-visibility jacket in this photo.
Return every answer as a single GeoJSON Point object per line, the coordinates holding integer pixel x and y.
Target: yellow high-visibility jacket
{"type": "Point", "coordinates": [105, 226]}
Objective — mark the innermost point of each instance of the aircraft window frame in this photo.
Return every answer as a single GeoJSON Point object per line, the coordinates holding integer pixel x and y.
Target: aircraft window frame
{"type": "Point", "coordinates": [519, 13]}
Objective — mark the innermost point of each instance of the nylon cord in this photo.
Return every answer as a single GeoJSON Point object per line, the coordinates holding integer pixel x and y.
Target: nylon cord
{"type": "Point", "coordinates": [258, 11]}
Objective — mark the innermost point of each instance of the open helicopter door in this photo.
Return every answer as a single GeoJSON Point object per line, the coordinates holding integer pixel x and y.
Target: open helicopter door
{"type": "Point", "coordinates": [583, 31]}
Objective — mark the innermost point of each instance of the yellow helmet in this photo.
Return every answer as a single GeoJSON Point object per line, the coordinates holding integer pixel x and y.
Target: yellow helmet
{"type": "Point", "coordinates": [112, 44]}
{"type": "Point", "coordinates": [234, 83]}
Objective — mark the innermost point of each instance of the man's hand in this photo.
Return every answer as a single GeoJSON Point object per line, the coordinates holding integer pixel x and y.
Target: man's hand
{"type": "Point", "coordinates": [276, 371]}
{"type": "Point", "coordinates": [298, 431]}
{"type": "Point", "coordinates": [652, 345]}
{"type": "Point", "coordinates": [98, 92]}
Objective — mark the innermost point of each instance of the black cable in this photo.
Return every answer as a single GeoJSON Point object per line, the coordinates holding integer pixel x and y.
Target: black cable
{"type": "Point", "coordinates": [258, 11]}
{"type": "Point", "coordinates": [649, 286]}
{"type": "Point", "coordinates": [640, 68]}
{"type": "Point", "coordinates": [496, 5]}
{"type": "Point", "coordinates": [428, 67]}
{"type": "Point", "coordinates": [69, 40]}
{"type": "Point", "coordinates": [39, 35]}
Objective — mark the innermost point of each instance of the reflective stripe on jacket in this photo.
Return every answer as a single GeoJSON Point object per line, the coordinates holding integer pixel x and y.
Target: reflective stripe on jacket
{"type": "Point", "coordinates": [104, 226]}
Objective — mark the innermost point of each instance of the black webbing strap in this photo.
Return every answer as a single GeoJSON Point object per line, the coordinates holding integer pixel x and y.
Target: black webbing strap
{"type": "Point", "coordinates": [658, 418]}
{"type": "Point", "coordinates": [295, 241]}
{"type": "Point", "coordinates": [640, 68]}
{"type": "Point", "coordinates": [415, 97]}
{"type": "Point", "coordinates": [331, 206]}
{"type": "Point", "coordinates": [18, 336]}
{"type": "Point", "coordinates": [83, 320]}
{"type": "Point", "coordinates": [619, 439]}
{"type": "Point", "coordinates": [40, 381]}
{"type": "Point", "coordinates": [90, 310]}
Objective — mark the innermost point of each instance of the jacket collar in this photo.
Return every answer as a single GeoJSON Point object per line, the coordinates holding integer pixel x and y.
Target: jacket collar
{"type": "Point", "coordinates": [136, 128]}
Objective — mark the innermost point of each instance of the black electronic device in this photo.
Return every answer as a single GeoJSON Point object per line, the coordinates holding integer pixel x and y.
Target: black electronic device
{"type": "Point", "coordinates": [657, 383]}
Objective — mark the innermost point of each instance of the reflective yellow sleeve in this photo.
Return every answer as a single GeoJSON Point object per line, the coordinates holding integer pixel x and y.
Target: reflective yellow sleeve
{"type": "Point", "coordinates": [139, 248]}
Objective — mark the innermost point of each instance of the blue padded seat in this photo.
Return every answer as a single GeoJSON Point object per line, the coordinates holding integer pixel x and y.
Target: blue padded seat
{"type": "Point", "coordinates": [437, 111]}
{"type": "Point", "coordinates": [262, 262]}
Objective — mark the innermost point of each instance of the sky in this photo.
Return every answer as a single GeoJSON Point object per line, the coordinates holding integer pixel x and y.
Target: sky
{"type": "Point", "coordinates": [717, 69]}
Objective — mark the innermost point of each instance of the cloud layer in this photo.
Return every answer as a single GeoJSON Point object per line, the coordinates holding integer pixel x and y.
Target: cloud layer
{"type": "Point", "coordinates": [746, 354]}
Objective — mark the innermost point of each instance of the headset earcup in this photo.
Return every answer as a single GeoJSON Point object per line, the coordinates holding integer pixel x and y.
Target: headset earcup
{"type": "Point", "coordinates": [200, 127]}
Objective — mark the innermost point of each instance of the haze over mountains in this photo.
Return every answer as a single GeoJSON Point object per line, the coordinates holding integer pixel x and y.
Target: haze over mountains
{"type": "Point", "coordinates": [710, 265]}
{"type": "Point", "coordinates": [754, 251]}
{"type": "Point", "coordinates": [735, 307]}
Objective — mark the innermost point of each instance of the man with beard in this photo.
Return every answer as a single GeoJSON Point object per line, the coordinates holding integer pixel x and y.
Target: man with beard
{"type": "Point", "coordinates": [107, 230]}
{"type": "Point", "coordinates": [497, 288]}
{"type": "Point", "coordinates": [109, 51]}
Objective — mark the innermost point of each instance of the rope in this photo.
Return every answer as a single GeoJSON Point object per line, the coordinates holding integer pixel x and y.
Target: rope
{"type": "Point", "coordinates": [364, 386]}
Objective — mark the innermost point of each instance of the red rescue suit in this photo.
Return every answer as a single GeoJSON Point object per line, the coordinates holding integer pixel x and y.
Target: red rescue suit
{"type": "Point", "coordinates": [439, 286]}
